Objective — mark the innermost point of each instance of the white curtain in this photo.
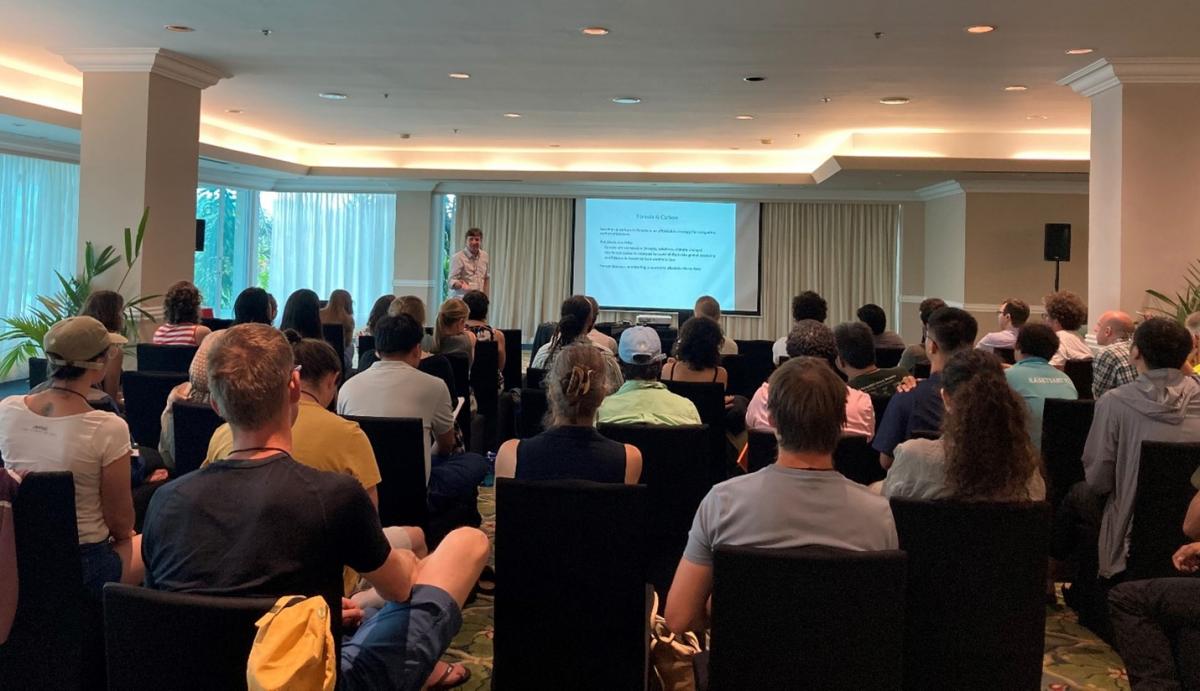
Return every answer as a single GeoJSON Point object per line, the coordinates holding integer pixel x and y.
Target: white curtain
{"type": "Point", "coordinates": [325, 241]}
{"type": "Point", "coordinates": [529, 242]}
{"type": "Point", "coordinates": [39, 216]}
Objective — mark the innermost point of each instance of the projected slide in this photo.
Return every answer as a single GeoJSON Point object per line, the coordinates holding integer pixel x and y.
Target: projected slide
{"type": "Point", "coordinates": [654, 254]}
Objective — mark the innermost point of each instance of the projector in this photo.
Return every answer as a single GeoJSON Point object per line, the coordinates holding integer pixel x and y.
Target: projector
{"type": "Point", "coordinates": [654, 320]}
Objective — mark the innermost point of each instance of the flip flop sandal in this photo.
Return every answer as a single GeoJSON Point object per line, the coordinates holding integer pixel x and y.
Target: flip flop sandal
{"type": "Point", "coordinates": [443, 682]}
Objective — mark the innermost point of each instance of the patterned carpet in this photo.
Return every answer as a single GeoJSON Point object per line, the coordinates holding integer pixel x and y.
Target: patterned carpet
{"type": "Point", "coordinates": [1075, 657]}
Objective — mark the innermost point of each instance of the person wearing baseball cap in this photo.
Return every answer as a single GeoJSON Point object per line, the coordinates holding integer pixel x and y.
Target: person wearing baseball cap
{"type": "Point", "coordinates": [643, 399]}
{"type": "Point", "coordinates": [57, 429]}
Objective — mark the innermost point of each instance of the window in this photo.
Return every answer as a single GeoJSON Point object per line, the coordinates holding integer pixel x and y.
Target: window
{"type": "Point", "coordinates": [445, 206]}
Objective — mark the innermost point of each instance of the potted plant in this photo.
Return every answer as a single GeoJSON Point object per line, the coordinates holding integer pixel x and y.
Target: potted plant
{"type": "Point", "coordinates": [1185, 302]}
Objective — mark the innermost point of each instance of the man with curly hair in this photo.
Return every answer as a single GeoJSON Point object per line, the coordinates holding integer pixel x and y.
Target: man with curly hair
{"type": "Point", "coordinates": [806, 305]}
{"type": "Point", "coordinates": [1066, 314]}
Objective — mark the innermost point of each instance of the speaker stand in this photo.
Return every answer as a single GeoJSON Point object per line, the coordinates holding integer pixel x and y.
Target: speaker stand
{"type": "Point", "coordinates": [1057, 263]}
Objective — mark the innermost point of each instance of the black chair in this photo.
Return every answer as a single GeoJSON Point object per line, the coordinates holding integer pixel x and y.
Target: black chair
{"type": "Point", "coordinates": [145, 399]}
{"type": "Point", "coordinates": [215, 324]}
{"type": "Point", "coordinates": [194, 425]}
{"type": "Point", "coordinates": [399, 446]}
{"type": "Point", "coordinates": [1065, 426]}
{"type": "Point", "coordinates": [56, 640]}
{"type": "Point", "coordinates": [545, 331]}
{"type": "Point", "coordinates": [1006, 355]}
{"type": "Point", "coordinates": [37, 371]}
{"type": "Point", "coordinates": [879, 403]}
{"type": "Point", "coordinates": [512, 358]}
{"type": "Point", "coordinates": [164, 358]}
{"type": "Point", "coordinates": [484, 381]}
{"type": "Point", "coordinates": [761, 449]}
{"type": "Point", "coordinates": [366, 344]}
{"type": "Point", "coordinates": [335, 335]}
{"type": "Point", "coordinates": [1080, 372]}
{"type": "Point", "coordinates": [735, 367]}
{"type": "Point", "coordinates": [159, 640]}
{"type": "Point", "coordinates": [759, 364]}
{"type": "Point", "coordinates": [976, 593]}
{"type": "Point", "coordinates": [814, 617]}
{"type": "Point", "coordinates": [460, 365]}
{"type": "Point", "coordinates": [709, 399]}
{"type": "Point", "coordinates": [534, 378]}
{"type": "Point", "coordinates": [888, 357]}
{"type": "Point", "coordinates": [530, 413]}
{"type": "Point", "coordinates": [551, 580]}
{"type": "Point", "coordinates": [857, 460]}
{"type": "Point", "coordinates": [922, 370]}
{"type": "Point", "coordinates": [676, 469]}
{"type": "Point", "coordinates": [1164, 491]}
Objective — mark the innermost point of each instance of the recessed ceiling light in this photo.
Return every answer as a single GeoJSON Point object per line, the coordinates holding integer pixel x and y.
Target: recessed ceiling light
{"type": "Point", "coordinates": [894, 100]}
{"type": "Point", "coordinates": [333, 96]}
{"type": "Point", "coordinates": [594, 31]}
{"type": "Point", "coordinates": [980, 29]}
{"type": "Point", "coordinates": [1080, 51]}
{"type": "Point", "coordinates": [1016, 87]}
{"type": "Point", "coordinates": [234, 111]}
{"type": "Point", "coordinates": [754, 78]}
{"type": "Point", "coordinates": [743, 117]}
{"type": "Point", "coordinates": [179, 28]}
{"type": "Point", "coordinates": [459, 75]}
{"type": "Point", "coordinates": [512, 115]}
{"type": "Point", "coordinates": [627, 100]}
{"type": "Point", "coordinates": [1037, 117]}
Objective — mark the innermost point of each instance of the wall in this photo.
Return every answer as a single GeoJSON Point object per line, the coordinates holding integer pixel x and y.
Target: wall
{"type": "Point", "coordinates": [416, 253]}
{"type": "Point", "coordinates": [912, 270]}
{"type": "Point", "coordinates": [946, 247]}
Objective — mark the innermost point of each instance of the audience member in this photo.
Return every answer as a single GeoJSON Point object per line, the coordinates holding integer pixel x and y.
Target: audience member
{"type": "Point", "coordinates": [1011, 316]}
{"type": "Point", "coordinates": [340, 310]}
{"type": "Point", "coordinates": [108, 308]}
{"type": "Point", "coordinates": [949, 331]}
{"type": "Point", "coordinates": [698, 359]}
{"type": "Point", "coordinates": [450, 333]}
{"type": "Point", "coordinates": [643, 399]}
{"type": "Point", "coordinates": [813, 339]}
{"type": "Point", "coordinates": [414, 307]}
{"type": "Point", "coordinates": [1034, 379]}
{"type": "Point", "coordinates": [194, 390]}
{"type": "Point", "coordinates": [434, 365]}
{"type": "Point", "coordinates": [595, 336]}
{"type": "Point", "coordinates": [1066, 314]}
{"type": "Point", "coordinates": [378, 310]}
{"type": "Point", "coordinates": [799, 500]}
{"type": "Point", "coordinates": [1193, 326]}
{"type": "Point", "coordinates": [57, 430]}
{"type": "Point", "coordinates": [707, 306]}
{"type": "Point", "coordinates": [1112, 367]}
{"type": "Point", "coordinates": [915, 354]}
{"type": "Point", "coordinates": [570, 448]}
{"type": "Point", "coordinates": [873, 316]}
{"type": "Point", "coordinates": [477, 307]}
{"type": "Point", "coordinates": [274, 308]}
{"type": "Point", "coordinates": [260, 494]}
{"type": "Point", "coordinates": [984, 453]}
{"type": "Point", "coordinates": [254, 306]}
{"type": "Point", "coordinates": [806, 305]}
{"type": "Point", "coordinates": [302, 314]}
{"type": "Point", "coordinates": [181, 312]}
{"type": "Point", "coordinates": [574, 322]}
{"type": "Point", "coordinates": [856, 359]}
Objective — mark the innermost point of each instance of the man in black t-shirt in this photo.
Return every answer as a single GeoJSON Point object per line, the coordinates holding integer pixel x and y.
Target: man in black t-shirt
{"type": "Point", "coordinates": [258, 523]}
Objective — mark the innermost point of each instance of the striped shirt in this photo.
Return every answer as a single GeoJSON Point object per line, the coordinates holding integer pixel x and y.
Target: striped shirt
{"type": "Point", "coordinates": [176, 334]}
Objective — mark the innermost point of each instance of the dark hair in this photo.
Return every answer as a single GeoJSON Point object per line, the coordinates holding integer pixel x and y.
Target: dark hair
{"type": "Point", "coordinates": [252, 306]}
{"type": "Point", "coordinates": [952, 329]}
{"type": "Point", "coordinates": [651, 371]}
{"type": "Point", "coordinates": [474, 232]}
{"type": "Point", "coordinates": [811, 338]}
{"type": "Point", "coordinates": [477, 305]}
{"type": "Point", "coordinates": [397, 334]}
{"type": "Point", "coordinates": [699, 343]}
{"type": "Point", "coordinates": [1163, 343]}
{"type": "Point", "coordinates": [989, 455]}
{"type": "Point", "coordinates": [106, 307]}
{"type": "Point", "coordinates": [1017, 310]}
{"type": "Point", "coordinates": [807, 402]}
{"type": "Point", "coordinates": [809, 305]}
{"type": "Point", "coordinates": [928, 306]}
{"type": "Point", "coordinates": [855, 344]}
{"type": "Point", "coordinates": [71, 372]}
{"type": "Point", "coordinates": [595, 307]}
{"type": "Point", "coordinates": [378, 310]}
{"type": "Point", "coordinates": [182, 304]}
{"type": "Point", "coordinates": [302, 312]}
{"type": "Point", "coordinates": [873, 316]}
{"type": "Point", "coordinates": [315, 357]}
{"type": "Point", "coordinates": [1037, 340]}
{"type": "Point", "coordinates": [574, 317]}
{"type": "Point", "coordinates": [1067, 309]}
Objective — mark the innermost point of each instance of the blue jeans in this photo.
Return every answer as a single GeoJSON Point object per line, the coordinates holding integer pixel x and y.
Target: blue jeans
{"type": "Point", "coordinates": [101, 565]}
{"type": "Point", "coordinates": [455, 479]}
{"type": "Point", "coordinates": [397, 647]}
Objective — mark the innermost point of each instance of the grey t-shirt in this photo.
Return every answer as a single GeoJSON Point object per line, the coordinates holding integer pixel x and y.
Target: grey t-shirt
{"type": "Point", "coordinates": [780, 508]}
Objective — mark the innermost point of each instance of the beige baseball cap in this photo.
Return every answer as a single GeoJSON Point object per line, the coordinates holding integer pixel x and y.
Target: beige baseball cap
{"type": "Point", "coordinates": [75, 341]}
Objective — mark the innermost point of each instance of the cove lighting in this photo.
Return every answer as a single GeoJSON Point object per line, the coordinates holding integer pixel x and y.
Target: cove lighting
{"type": "Point", "coordinates": [1016, 87]}
{"type": "Point", "coordinates": [512, 115]}
{"type": "Point", "coordinates": [627, 100]}
{"type": "Point", "coordinates": [980, 29]}
{"type": "Point", "coordinates": [234, 111]}
{"type": "Point", "coordinates": [743, 117]}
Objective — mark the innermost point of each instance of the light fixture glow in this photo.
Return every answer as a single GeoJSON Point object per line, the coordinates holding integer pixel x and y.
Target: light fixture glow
{"type": "Point", "coordinates": [179, 28]}
{"type": "Point", "coordinates": [333, 96]}
{"type": "Point", "coordinates": [894, 100]}
{"type": "Point", "coordinates": [459, 75]}
{"type": "Point", "coordinates": [1037, 117]}
{"type": "Point", "coordinates": [512, 115]}
{"type": "Point", "coordinates": [1016, 87]}
{"type": "Point", "coordinates": [980, 29]}
{"type": "Point", "coordinates": [627, 100]}
{"type": "Point", "coordinates": [743, 117]}
{"type": "Point", "coordinates": [235, 111]}
{"type": "Point", "coordinates": [594, 31]}
{"type": "Point", "coordinates": [1080, 51]}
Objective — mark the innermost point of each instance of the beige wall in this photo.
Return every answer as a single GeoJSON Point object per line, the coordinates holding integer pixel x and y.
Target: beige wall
{"type": "Point", "coordinates": [912, 269]}
{"type": "Point", "coordinates": [945, 247]}
{"type": "Point", "coordinates": [416, 254]}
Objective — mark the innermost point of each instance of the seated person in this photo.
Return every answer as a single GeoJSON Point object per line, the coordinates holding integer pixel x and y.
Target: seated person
{"type": "Point", "coordinates": [1112, 367]}
{"type": "Point", "coordinates": [1193, 326]}
{"type": "Point", "coordinates": [915, 354]}
{"type": "Point", "coordinates": [1011, 316]}
{"type": "Point", "coordinates": [435, 365]}
{"type": "Point", "coordinates": [707, 306]}
{"type": "Point", "coordinates": [246, 526]}
{"type": "Point", "coordinates": [450, 334]}
{"type": "Point", "coordinates": [698, 359]}
{"type": "Point", "coordinates": [873, 316]}
{"type": "Point", "coordinates": [1066, 314]}
{"type": "Point", "coordinates": [595, 336]}
{"type": "Point", "coordinates": [798, 500]}
{"type": "Point", "coordinates": [813, 339]}
{"type": "Point", "coordinates": [477, 307]}
{"type": "Point", "coordinates": [575, 321]}
{"type": "Point", "coordinates": [856, 359]}
{"type": "Point", "coordinates": [570, 448]}
{"type": "Point", "coordinates": [194, 390]}
{"type": "Point", "coordinates": [643, 399]}
{"type": "Point", "coordinates": [108, 308]}
{"type": "Point", "coordinates": [1034, 379]}
{"type": "Point", "coordinates": [950, 331]}
{"type": "Point", "coordinates": [254, 306]}
{"type": "Point", "coordinates": [181, 312]}
{"type": "Point", "coordinates": [806, 305]}
{"type": "Point", "coordinates": [339, 309]}
{"type": "Point", "coordinates": [57, 430]}
{"type": "Point", "coordinates": [984, 453]}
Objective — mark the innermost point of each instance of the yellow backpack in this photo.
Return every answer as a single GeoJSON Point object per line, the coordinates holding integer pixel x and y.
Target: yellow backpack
{"type": "Point", "coordinates": [293, 648]}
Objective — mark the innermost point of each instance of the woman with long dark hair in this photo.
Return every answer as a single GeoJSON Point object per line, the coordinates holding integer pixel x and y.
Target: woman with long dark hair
{"type": "Point", "coordinates": [302, 312]}
{"type": "Point", "coordinates": [574, 322]}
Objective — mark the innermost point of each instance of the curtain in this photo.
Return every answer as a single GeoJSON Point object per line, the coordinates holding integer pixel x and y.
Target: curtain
{"type": "Point", "coordinates": [224, 268]}
{"type": "Point", "coordinates": [39, 216]}
{"type": "Point", "coordinates": [529, 242]}
{"type": "Point", "coordinates": [326, 241]}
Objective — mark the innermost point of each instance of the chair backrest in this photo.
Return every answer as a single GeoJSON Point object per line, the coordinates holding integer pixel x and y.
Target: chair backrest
{"type": "Point", "coordinates": [37, 370]}
{"type": "Point", "coordinates": [570, 558]}
{"type": "Point", "coordinates": [399, 446]}
{"type": "Point", "coordinates": [1006, 355]}
{"type": "Point", "coordinates": [334, 335]}
{"type": "Point", "coordinates": [194, 424]}
{"type": "Point", "coordinates": [761, 449]}
{"type": "Point", "coordinates": [888, 357]}
{"type": "Point", "coordinates": [1065, 426]}
{"type": "Point", "coordinates": [1164, 491]}
{"type": "Point", "coordinates": [534, 377]}
{"type": "Point", "coordinates": [709, 399]}
{"type": "Point", "coordinates": [676, 469]}
{"type": "Point", "coordinates": [145, 399]}
{"type": "Point", "coordinates": [165, 358]}
{"type": "Point", "coordinates": [366, 344]}
{"type": "Point", "coordinates": [46, 647]}
{"type": "Point", "coordinates": [756, 356]}
{"type": "Point", "coordinates": [858, 460]}
{"type": "Point", "coordinates": [545, 331]}
{"type": "Point", "coordinates": [735, 367]}
{"type": "Point", "coordinates": [879, 403]}
{"type": "Point", "coordinates": [922, 370]}
{"type": "Point", "coordinates": [512, 358]}
{"type": "Point", "coordinates": [975, 604]}
{"type": "Point", "coordinates": [215, 324]}
{"type": "Point", "coordinates": [1080, 372]}
{"type": "Point", "coordinates": [159, 640]}
{"type": "Point", "coordinates": [460, 364]}
{"type": "Point", "coordinates": [531, 413]}
{"type": "Point", "coordinates": [814, 617]}
{"type": "Point", "coordinates": [484, 381]}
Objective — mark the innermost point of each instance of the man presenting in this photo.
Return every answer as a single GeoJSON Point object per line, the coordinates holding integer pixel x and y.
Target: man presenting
{"type": "Point", "coordinates": [469, 267]}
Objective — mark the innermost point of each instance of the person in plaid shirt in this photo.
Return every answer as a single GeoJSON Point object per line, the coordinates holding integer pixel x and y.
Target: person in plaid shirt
{"type": "Point", "coordinates": [1112, 367]}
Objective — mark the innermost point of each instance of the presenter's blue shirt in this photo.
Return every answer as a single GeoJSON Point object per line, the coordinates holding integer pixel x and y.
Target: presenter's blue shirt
{"type": "Point", "coordinates": [1034, 379]}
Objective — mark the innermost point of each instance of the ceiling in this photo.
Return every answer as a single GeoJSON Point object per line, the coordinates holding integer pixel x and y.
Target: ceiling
{"type": "Point", "coordinates": [684, 58]}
